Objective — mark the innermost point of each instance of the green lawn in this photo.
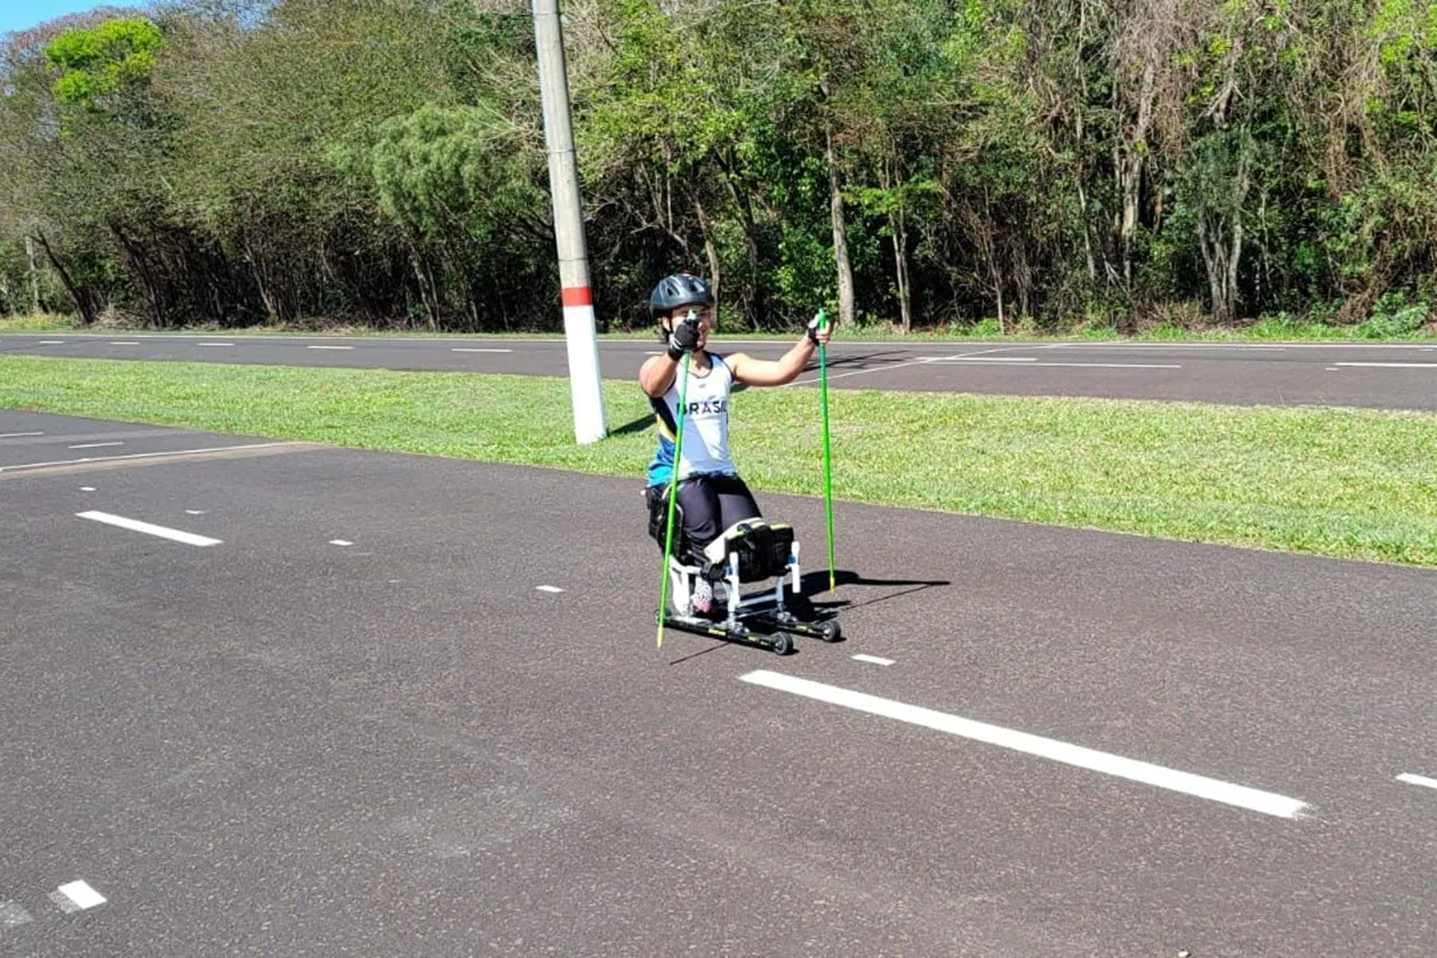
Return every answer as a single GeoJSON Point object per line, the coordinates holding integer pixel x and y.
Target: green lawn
{"type": "Point", "coordinates": [1349, 483]}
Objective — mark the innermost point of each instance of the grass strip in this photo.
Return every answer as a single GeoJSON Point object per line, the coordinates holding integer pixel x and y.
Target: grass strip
{"type": "Point", "coordinates": [1358, 484]}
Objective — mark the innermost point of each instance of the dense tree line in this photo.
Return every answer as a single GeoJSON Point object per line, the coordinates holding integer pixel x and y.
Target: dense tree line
{"type": "Point", "coordinates": [920, 162]}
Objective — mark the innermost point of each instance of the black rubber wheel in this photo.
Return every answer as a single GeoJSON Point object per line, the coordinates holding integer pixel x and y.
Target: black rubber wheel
{"type": "Point", "coordinates": [829, 631]}
{"type": "Point", "coordinates": [782, 644]}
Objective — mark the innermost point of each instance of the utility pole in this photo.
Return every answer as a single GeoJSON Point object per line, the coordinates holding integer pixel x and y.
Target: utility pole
{"type": "Point", "coordinates": [585, 388]}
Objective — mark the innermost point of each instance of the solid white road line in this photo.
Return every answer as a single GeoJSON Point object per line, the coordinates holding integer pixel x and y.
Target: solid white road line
{"type": "Point", "coordinates": [81, 894]}
{"type": "Point", "coordinates": [1392, 365]}
{"type": "Point", "coordinates": [1417, 780]}
{"type": "Point", "coordinates": [135, 525]}
{"type": "Point", "coordinates": [468, 349]}
{"type": "Point", "coordinates": [16, 435]}
{"type": "Point", "coordinates": [1210, 788]}
{"type": "Point", "coordinates": [1031, 361]}
{"type": "Point", "coordinates": [1117, 365]}
{"type": "Point", "coordinates": [140, 455]}
{"type": "Point", "coordinates": [1112, 344]}
{"type": "Point", "coordinates": [980, 359]}
{"type": "Point", "coordinates": [872, 659]}
{"type": "Point", "coordinates": [858, 372]}
{"type": "Point", "coordinates": [1020, 361]}
{"type": "Point", "coordinates": [93, 445]}
{"type": "Point", "coordinates": [1101, 344]}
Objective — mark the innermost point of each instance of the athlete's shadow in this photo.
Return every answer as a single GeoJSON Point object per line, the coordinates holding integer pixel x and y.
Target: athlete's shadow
{"type": "Point", "coordinates": [864, 360]}
{"type": "Point", "coordinates": [642, 424]}
{"type": "Point", "coordinates": [815, 583]}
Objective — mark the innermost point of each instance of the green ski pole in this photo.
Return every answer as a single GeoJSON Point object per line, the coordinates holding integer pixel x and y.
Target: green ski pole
{"type": "Point", "coordinates": [827, 451]}
{"type": "Point", "coordinates": [673, 489]}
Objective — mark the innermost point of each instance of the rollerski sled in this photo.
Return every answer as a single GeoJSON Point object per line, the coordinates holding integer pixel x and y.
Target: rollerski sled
{"type": "Point", "coordinates": [749, 551]}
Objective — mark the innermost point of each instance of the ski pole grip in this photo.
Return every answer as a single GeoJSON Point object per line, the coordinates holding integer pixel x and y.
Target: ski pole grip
{"type": "Point", "coordinates": [816, 325]}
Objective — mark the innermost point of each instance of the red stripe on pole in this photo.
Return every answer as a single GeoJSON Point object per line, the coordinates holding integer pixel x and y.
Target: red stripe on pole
{"type": "Point", "coordinates": [577, 296]}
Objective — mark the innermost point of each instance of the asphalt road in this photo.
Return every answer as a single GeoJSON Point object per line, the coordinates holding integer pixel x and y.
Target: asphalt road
{"type": "Point", "coordinates": [356, 717]}
{"type": "Point", "coordinates": [1392, 376]}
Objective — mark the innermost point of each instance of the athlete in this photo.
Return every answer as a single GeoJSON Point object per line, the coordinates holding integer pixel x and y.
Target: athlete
{"type": "Point", "coordinates": [710, 493]}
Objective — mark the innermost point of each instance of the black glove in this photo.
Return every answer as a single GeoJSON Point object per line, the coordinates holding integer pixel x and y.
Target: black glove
{"type": "Point", "coordinates": [684, 339]}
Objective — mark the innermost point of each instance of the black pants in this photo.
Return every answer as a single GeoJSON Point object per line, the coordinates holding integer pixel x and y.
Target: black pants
{"type": "Point", "coordinates": [709, 505]}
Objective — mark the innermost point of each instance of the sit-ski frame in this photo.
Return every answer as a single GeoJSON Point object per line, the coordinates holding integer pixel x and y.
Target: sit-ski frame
{"type": "Point", "coordinates": [760, 618]}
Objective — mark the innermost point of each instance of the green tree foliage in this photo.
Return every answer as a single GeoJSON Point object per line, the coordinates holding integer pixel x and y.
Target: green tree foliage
{"type": "Point", "coordinates": [921, 162]}
{"type": "Point", "coordinates": [104, 60]}
{"type": "Point", "coordinates": [86, 148]}
{"type": "Point", "coordinates": [457, 185]}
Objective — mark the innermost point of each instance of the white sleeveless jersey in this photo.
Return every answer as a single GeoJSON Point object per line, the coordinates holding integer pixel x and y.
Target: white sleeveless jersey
{"type": "Point", "coordinates": [705, 425]}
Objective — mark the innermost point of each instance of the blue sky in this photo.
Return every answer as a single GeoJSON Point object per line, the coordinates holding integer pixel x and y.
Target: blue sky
{"type": "Point", "coordinates": [24, 14]}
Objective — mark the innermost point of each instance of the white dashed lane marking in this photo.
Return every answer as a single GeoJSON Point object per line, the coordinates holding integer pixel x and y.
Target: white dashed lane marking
{"type": "Point", "coordinates": [1417, 780]}
{"type": "Point", "coordinates": [1200, 786]}
{"type": "Point", "coordinates": [135, 525]}
{"type": "Point", "coordinates": [76, 896]}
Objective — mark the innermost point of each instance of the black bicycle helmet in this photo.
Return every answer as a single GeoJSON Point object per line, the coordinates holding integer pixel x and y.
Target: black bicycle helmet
{"type": "Point", "coordinates": [680, 289]}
